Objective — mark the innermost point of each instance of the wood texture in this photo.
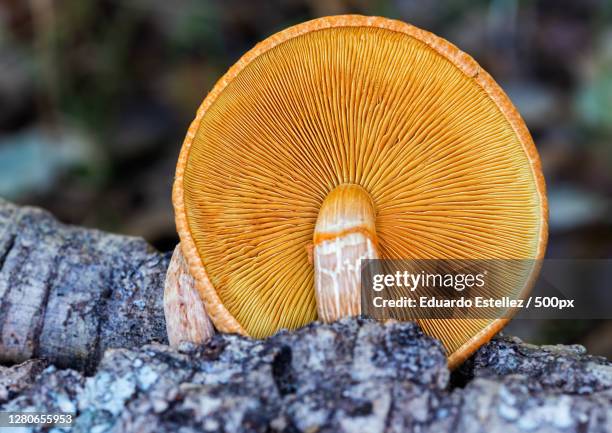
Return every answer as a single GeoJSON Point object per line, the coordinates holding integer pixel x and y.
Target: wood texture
{"type": "Point", "coordinates": [68, 293]}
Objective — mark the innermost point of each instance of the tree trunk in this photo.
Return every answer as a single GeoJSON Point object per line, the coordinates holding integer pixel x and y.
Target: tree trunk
{"type": "Point", "coordinates": [68, 293]}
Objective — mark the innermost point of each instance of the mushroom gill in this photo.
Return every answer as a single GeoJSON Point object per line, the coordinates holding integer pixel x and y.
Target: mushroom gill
{"type": "Point", "coordinates": [447, 162]}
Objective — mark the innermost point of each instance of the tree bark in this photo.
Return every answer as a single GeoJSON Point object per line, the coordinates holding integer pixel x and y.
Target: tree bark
{"type": "Point", "coordinates": [353, 375]}
{"type": "Point", "coordinates": [68, 293]}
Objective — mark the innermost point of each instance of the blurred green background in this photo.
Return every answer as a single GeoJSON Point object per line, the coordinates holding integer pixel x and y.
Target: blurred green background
{"type": "Point", "coordinates": [96, 97]}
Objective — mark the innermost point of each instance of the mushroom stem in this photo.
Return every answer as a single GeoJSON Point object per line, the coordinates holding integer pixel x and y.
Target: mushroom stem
{"type": "Point", "coordinates": [186, 317]}
{"type": "Point", "coordinates": [345, 233]}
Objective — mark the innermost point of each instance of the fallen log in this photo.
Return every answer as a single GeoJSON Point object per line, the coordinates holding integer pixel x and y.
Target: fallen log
{"type": "Point", "coordinates": [68, 293]}
{"type": "Point", "coordinates": [354, 375]}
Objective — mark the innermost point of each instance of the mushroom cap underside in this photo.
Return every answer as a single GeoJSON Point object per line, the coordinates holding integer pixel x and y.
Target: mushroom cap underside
{"type": "Point", "coordinates": [448, 162]}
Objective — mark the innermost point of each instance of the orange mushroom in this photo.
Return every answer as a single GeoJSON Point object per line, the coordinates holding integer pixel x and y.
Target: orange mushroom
{"type": "Point", "coordinates": [360, 137]}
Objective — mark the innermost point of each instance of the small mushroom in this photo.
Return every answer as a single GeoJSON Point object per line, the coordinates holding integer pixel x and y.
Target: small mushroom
{"type": "Point", "coordinates": [351, 137]}
{"type": "Point", "coordinates": [186, 317]}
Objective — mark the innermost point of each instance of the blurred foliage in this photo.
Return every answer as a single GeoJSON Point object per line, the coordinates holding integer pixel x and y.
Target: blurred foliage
{"type": "Point", "coordinates": [96, 96]}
